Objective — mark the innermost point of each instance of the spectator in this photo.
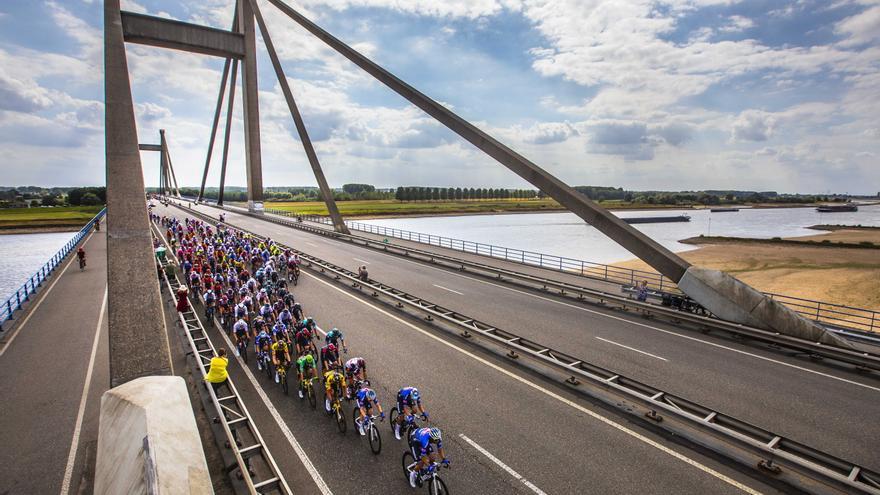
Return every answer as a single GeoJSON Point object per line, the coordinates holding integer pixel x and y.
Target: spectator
{"type": "Point", "coordinates": [217, 374]}
{"type": "Point", "coordinates": [642, 291]}
{"type": "Point", "coordinates": [182, 301]}
{"type": "Point", "coordinates": [362, 273]}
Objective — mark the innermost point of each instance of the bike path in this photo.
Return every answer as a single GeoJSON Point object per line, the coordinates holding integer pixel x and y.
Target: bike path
{"type": "Point", "coordinates": [557, 440]}
{"type": "Point", "coordinates": [793, 397]}
{"type": "Point", "coordinates": [44, 370]}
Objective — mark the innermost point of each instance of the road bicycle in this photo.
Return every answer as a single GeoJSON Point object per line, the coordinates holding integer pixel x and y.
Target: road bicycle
{"type": "Point", "coordinates": [307, 387]}
{"type": "Point", "coordinates": [209, 313]}
{"type": "Point", "coordinates": [293, 275]}
{"type": "Point", "coordinates": [408, 424]}
{"type": "Point", "coordinates": [243, 347]}
{"type": "Point", "coordinates": [430, 476]}
{"type": "Point", "coordinates": [282, 378]}
{"type": "Point", "coordinates": [336, 409]}
{"type": "Point", "coordinates": [82, 264]}
{"type": "Point", "coordinates": [369, 427]}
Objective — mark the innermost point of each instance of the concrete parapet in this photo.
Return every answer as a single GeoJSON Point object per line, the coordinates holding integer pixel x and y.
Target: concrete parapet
{"type": "Point", "coordinates": [732, 300]}
{"type": "Point", "coordinates": [148, 441]}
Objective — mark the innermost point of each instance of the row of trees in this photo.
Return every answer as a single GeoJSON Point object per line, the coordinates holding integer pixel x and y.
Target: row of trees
{"type": "Point", "coordinates": [460, 193]}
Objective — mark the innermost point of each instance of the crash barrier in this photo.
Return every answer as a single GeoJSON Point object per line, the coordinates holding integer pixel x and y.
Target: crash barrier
{"type": "Point", "coordinates": [14, 302]}
{"type": "Point", "coordinates": [781, 458]}
{"type": "Point", "coordinates": [148, 441]}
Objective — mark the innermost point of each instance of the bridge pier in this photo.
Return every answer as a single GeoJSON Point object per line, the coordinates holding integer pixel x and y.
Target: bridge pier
{"type": "Point", "coordinates": [250, 100]}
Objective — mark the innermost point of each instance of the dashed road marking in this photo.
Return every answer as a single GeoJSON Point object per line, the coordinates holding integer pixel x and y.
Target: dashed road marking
{"type": "Point", "coordinates": [632, 349]}
{"type": "Point", "coordinates": [503, 466]}
{"type": "Point", "coordinates": [450, 290]}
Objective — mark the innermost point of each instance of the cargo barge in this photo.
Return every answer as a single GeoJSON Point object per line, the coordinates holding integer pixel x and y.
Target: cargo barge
{"type": "Point", "coordinates": [836, 208]}
{"type": "Point", "coordinates": [677, 218]}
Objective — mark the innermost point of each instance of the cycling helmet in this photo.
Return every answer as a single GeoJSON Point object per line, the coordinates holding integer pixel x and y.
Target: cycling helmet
{"type": "Point", "coordinates": [435, 434]}
{"type": "Point", "coordinates": [331, 348]}
{"type": "Point", "coordinates": [415, 395]}
{"type": "Point", "coordinates": [371, 395]}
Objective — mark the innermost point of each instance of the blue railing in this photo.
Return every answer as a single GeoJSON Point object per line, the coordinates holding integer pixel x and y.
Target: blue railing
{"type": "Point", "coordinates": [24, 293]}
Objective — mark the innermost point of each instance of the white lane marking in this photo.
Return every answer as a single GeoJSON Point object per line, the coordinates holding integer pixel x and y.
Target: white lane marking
{"type": "Point", "coordinates": [300, 452]}
{"type": "Point", "coordinates": [643, 325]}
{"type": "Point", "coordinates": [43, 298]}
{"type": "Point", "coordinates": [502, 465]}
{"type": "Point", "coordinates": [74, 444]}
{"type": "Point", "coordinates": [362, 261]}
{"type": "Point", "coordinates": [632, 349]}
{"type": "Point", "coordinates": [554, 395]}
{"type": "Point", "coordinates": [310, 243]}
{"type": "Point", "coordinates": [450, 290]}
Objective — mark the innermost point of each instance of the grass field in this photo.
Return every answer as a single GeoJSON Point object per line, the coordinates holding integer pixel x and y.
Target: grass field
{"type": "Point", "coordinates": [393, 207]}
{"type": "Point", "coordinates": [59, 216]}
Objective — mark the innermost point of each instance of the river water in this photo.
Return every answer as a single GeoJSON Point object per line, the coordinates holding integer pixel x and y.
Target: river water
{"type": "Point", "coordinates": [564, 234]}
{"type": "Point", "coordinates": [21, 255]}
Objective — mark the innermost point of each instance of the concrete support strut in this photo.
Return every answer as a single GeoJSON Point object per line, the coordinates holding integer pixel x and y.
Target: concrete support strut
{"type": "Point", "coordinates": [229, 106]}
{"type": "Point", "coordinates": [223, 80]}
{"type": "Point", "coordinates": [645, 248]}
{"type": "Point", "coordinates": [177, 35]}
{"type": "Point", "coordinates": [138, 341]}
{"type": "Point", "coordinates": [326, 192]}
{"type": "Point", "coordinates": [168, 164]}
{"type": "Point", "coordinates": [251, 108]}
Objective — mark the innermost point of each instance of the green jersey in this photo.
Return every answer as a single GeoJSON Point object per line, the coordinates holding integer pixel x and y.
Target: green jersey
{"type": "Point", "coordinates": [305, 362]}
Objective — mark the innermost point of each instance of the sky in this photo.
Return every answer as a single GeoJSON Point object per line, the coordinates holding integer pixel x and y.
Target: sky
{"type": "Point", "coordinates": [639, 94]}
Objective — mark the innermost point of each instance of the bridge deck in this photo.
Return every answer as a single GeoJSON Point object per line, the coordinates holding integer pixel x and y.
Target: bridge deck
{"type": "Point", "coordinates": [44, 362]}
{"type": "Point", "coordinates": [552, 437]}
{"type": "Point", "coordinates": [793, 396]}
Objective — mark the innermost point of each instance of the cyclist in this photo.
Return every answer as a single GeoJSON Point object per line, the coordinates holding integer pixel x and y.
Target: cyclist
{"type": "Point", "coordinates": [356, 369]}
{"type": "Point", "coordinates": [262, 343]}
{"type": "Point", "coordinates": [297, 311]}
{"type": "Point", "coordinates": [280, 356]}
{"type": "Point", "coordinates": [285, 317]}
{"type": "Point", "coordinates": [366, 397]}
{"type": "Point", "coordinates": [409, 401]}
{"type": "Point", "coordinates": [305, 365]}
{"type": "Point", "coordinates": [303, 341]}
{"type": "Point", "coordinates": [422, 443]}
{"type": "Point", "coordinates": [335, 337]}
{"type": "Point", "coordinates": [210, 299]}
{"type": "Point", "coordinates": [279, 331]}
{"type": "Point", "coordinates": [239, 332]}
{"type": "Point", "coordinates": [329, 357]}
{"type": "Point", "coordinates": [81, 255]}
{"type": "Point", "coordinates": [334, 383]}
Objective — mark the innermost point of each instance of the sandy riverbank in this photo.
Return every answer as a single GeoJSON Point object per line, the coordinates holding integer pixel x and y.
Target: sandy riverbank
{"type": "Point", "coordinates": [849, 276]}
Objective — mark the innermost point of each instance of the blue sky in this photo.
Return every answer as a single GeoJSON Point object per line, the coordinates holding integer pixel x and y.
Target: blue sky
{"type": "Point", "coordinates": [659, 94]}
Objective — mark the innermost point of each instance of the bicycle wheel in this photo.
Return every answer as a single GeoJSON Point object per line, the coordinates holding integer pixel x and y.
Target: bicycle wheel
{"type": "Point", "coordinates": [408, 461]}
{"type": "Point", "coordinates": [268, 365]}
{"type": "Point", "coordinates": [355, 414]}
{"type": "Point", "coordinates": [242, 350]}
{"type": "Point", "coordinates": [375, 439]}
{"type": "Point", "coordinates": [437, 486]}
{"type": "Point", "coordinates": [284, 385]}
{"type": "Point", "coordinates": [392, 417]}
{"type": "Point", "coordinates": [313, 399]}
{"type": "Point", "coordinates": [340, 418]}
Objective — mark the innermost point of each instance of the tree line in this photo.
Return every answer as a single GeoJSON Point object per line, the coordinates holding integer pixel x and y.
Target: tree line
{"type": "Point", "coordinates": [417, 193]}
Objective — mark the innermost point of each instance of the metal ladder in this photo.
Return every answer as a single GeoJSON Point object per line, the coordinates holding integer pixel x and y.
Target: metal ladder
{"type": "Point", "coordinates": [256, 467]}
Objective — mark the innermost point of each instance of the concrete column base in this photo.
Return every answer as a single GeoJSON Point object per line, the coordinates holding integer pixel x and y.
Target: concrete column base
{"type": "Point", "coordinates": [148, 441]}
{"type": "Point", "coordinates": [732, 300]}
{"type": "Point", "coordinates": [255, 206]}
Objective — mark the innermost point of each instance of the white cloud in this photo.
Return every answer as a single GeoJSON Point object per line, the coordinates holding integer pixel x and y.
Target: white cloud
{"type": "Point", "coordinates": [753, 125]}
{"type": "Point", "coordinates": [861, 28]}
{"type": "Point", "coordinates": [22, 95]}
{"type": "Point", "coordinates": [736, 24]}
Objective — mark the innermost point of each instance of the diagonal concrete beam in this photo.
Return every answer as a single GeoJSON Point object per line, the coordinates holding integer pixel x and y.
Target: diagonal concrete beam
{"type": "Point", "coordinates": [138, 340]}
{"type": "Point", "coordinates": [326, 192]}
{"type": "Point", "coordinates": [167, 156]}
{"type": "Point", "coordinates": [214, 125]}
{"type": "Point", "coordinates": [229, 106]}
{"type": "Point", "coordinates": [718, 292]}
{"type": "Point", "coordinates": [168, 33]}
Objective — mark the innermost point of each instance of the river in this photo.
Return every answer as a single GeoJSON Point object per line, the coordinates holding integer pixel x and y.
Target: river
{"type": "Point", "coordinates": [21, 255]}
{"type": "Point", "coordinates": [564, 234]}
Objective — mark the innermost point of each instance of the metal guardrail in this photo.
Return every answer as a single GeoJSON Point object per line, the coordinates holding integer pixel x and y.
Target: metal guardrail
{"type": "Point", "coordinates": [24, 293]}
{"type": "Point", "coordinates": [258, 477]}
{"type": "Point", "coordinates": [779, 457]}
{"type": "Point", "coordinates": [866, 320]}
{"type": "Point", "coordinates": [860, 359]}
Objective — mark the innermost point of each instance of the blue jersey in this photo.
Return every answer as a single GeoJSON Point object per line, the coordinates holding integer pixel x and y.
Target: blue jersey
{"type": "Point", "coordinates": [422, 439]}
{"type": "Point", "coordinates": [263, 339]}
{"type": "Point", "coordinates": [362, 399]}
{"type": "Point", "coordinates": [408, 396]}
